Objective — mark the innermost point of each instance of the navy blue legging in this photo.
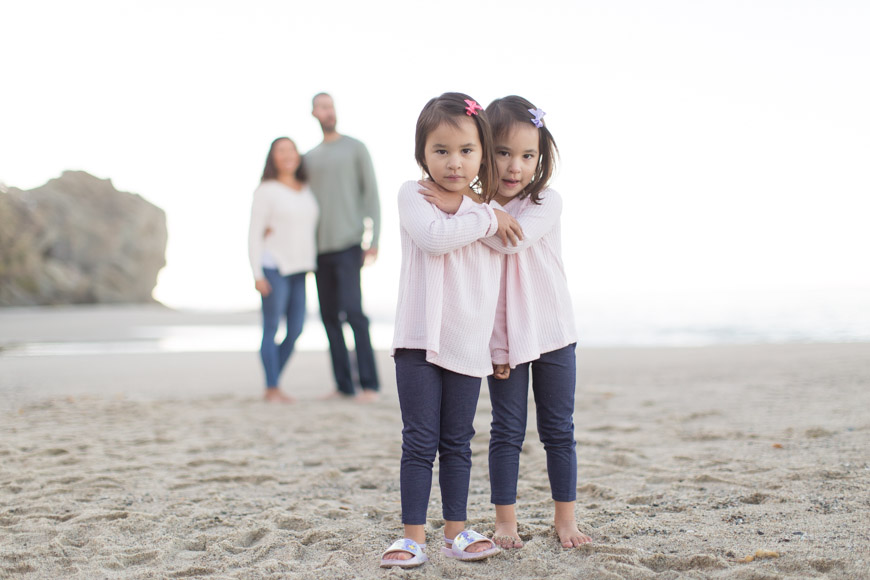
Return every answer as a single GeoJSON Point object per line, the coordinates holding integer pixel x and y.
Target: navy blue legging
{"type": "Point", "coordinates": [438, 409]}
{"type": "Point", "coordinates": [554, 376]}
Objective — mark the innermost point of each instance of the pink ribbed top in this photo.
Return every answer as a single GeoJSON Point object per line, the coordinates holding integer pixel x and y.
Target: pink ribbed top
{"type": "Point", "coordinates": [449, 281]}
{"type": "Point", "coordinates": [534, 314]}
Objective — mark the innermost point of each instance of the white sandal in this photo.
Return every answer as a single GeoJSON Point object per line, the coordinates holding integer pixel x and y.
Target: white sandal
{"type": "Point", "coordinates": [459, 546]}
{"type": "Point", "coordinates": [409, 546]}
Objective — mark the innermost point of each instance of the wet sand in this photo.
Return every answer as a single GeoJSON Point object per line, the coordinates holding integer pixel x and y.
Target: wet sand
{"type": "Point", "coordinates": [169, 465]}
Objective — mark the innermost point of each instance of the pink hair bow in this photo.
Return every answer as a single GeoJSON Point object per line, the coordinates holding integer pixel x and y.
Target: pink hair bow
{"type": "Point", "coordinates": [472, 108]}
{"type": "Point", "coordinates": [538, 117]}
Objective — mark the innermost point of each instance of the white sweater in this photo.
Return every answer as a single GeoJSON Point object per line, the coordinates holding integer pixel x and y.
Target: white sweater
{"type": "Point", "coordinates": [291, 218]}
{"type": "Point", "coordinates": [534, 314]}
{"type": "Point", "coordinates": [448, 288]}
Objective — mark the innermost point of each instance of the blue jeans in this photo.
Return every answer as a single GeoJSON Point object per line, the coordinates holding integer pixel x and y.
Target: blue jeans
{"type": "Point", "coordinates": [438, 409]}
{"type": "Point", "coordinates": [338, 287]}
{"type": "Point", "coordinates": [286, 299]}
{"type": "Point", "coordinates": [554, 376]}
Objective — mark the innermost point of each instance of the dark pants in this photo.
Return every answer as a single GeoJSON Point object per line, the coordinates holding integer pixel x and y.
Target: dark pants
{"type": "Point", "coordinates": [286, 300]}
{"type": "Point", "coordinates": [338, 287]}
{"type": "Point", "coordinates": [438, 409]}
{"type": "Point", "coordinates": [553, 379]}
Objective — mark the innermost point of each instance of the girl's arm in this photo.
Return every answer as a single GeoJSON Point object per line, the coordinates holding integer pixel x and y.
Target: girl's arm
{"type": "Point", "coordinates": [436, 235]}
{"type": "Point", "coordinates": [509, 229]}
{"type": "Point", "coordinates": [536, 221]}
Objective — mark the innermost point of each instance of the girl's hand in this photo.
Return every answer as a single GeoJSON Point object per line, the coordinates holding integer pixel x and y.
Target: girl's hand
{"type": "Point", "coordinates": [508, 228]}
{"type": "Point", "coordinates": [446, 201]}
{"type": "Point", "coordinates": [263, 287]}
{"type": "Point", "coordinates": [501, 371]}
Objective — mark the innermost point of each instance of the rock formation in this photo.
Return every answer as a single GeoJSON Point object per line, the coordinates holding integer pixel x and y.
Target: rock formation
{"type": "Point", "coordinates": [78, 240]}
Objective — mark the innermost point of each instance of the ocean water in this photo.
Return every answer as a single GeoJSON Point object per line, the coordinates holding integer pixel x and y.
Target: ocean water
{"type": "Point", "coordinates": [687, 319]}
{"type": "Point", "coordinates": [647, 320]}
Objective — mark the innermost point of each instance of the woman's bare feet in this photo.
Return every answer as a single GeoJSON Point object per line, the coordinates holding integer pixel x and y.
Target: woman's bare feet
{"type": "Point", "coordinates": [276, 396]}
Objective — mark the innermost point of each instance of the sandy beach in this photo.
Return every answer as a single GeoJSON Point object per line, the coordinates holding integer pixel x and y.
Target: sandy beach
{"type": "Point", "coordinates": [169, 465]}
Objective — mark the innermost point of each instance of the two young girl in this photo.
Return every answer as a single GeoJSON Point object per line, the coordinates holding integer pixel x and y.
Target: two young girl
{"type": "Point", "coordinates": [452, 246]}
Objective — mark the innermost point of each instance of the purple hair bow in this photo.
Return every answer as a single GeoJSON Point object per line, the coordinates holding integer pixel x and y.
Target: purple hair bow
{"type": "Point", "coordinates": [538, 117]}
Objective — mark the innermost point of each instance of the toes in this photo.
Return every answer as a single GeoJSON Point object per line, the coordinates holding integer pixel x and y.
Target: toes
{"type": "Point", "coordinates": [506, 542]}
{"type": "Point", "coordinates": [576, 541]}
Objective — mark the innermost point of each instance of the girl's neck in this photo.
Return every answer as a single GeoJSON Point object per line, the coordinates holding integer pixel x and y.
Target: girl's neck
{"type": "Point", "coordinates": [502, 201]}
{"type": "Point", "coordinates": [473, 196]}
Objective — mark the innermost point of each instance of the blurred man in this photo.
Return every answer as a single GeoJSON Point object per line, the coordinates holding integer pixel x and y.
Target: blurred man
{"type": "Point", "coordinates": [343, 181]}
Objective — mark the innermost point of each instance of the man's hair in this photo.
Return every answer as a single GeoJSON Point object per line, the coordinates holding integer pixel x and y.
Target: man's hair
{"type": "Point", "coordinates": [314, 98]}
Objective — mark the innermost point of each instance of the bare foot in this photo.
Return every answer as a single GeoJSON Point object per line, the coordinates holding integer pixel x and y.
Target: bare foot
{"type": "Point", "coordinates": [367, 396]}
{"type": "Point", "coordinates": [569, 535]}
{"type": "Point", "coordinates": [506, 536]}
{"type": "Point", "coordinates": [276, 396]}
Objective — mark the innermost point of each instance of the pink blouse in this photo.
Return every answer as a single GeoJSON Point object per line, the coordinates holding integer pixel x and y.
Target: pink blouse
{"type": "Point", "coordinates": [449, 281]}
{"type": "Point", "coordinates": [534, 314]}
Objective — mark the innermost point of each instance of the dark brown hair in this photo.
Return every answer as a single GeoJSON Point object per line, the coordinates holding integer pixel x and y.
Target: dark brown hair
{"type": "Point", "coordinates": [508, 112]}
{"type": "Point", "coordinates": [450, 108]}
{"type": "Point", "coordinates": [271, 172]}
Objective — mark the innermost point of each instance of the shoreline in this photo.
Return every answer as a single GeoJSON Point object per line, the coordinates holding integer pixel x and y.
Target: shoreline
{"type": "Point", "coordinates": [155, 328]}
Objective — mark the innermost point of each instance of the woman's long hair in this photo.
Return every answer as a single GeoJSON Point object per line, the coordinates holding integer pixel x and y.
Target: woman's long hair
{"type": "Point", "coordinates": [271, 172]}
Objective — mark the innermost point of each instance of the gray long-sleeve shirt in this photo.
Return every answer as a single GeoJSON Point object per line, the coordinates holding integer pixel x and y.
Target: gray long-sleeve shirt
{"type": "Point", "coordinates": [342, 178]}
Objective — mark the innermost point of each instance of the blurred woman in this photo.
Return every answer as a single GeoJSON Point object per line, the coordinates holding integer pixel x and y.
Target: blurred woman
{"type": "Point", "coordinates": [281, 248]}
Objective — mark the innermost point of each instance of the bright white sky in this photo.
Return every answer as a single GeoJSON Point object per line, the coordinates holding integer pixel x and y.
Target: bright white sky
{"type": "Point", "coordinates": [705, 144]}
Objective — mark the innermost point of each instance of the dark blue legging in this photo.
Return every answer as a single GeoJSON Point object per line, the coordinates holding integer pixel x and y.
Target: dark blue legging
{"type": "Point", "coordinates": [554, 376]}
{"type": "Point", "coordinates": [438, 409]}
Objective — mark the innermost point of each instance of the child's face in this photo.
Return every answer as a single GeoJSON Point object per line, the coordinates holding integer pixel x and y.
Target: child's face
{"type": "Point", "coordinates": [453, 155]}
{"type": "Point", "coordinates": [516, 158]}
